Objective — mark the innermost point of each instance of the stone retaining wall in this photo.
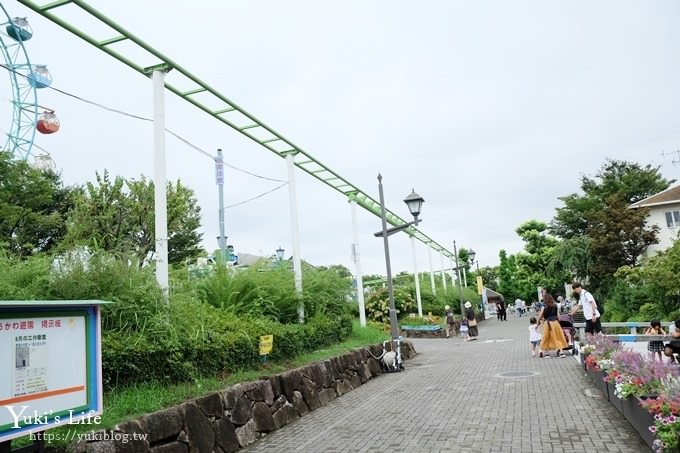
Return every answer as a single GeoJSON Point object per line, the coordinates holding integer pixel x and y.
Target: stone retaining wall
{"type": "Point", "coordinates": [228, 420]}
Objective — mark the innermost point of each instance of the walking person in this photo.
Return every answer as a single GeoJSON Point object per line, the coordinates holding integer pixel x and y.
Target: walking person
{"type": "Point", "coordinates": [655, 346]}
{"type": "Point", "coordinates": [471, 321]}
{"type": "Point", "coordinates": [553, 337]}
{"type": "Point", "coordinates": [587, 303]}
{"type": "Point", "coordinates": [450, 321]}
{"type": "Point", "coordinates": [534, 335]}
{"type": "Point", "coordinates": [464, 329]}
{"type": "Point", "coordinates": [502, 312]}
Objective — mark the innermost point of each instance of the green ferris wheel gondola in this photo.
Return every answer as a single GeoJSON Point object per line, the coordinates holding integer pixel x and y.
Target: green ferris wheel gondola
{"type": "Point", "coordinates": [25, 79]}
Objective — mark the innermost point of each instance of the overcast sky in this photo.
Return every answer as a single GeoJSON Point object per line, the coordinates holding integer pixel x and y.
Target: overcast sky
{"type": "Point", "coordinates": [489, 109]}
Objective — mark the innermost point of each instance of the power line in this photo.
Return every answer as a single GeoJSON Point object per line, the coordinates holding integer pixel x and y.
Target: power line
{"type": "Point", "coordinates": [258, 196]}
{"type": "Point", "coordinates": [48, 154]}
{"type": "Point", "coordinates": [142, 118]}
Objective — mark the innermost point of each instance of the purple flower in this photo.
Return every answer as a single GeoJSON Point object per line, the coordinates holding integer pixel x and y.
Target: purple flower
{"type": "Point", "coordinates": [657, 417]}
{"type": "Point", "coordinates": [672, 419]}
{"type": "Point", "coordinates": [652, 429]}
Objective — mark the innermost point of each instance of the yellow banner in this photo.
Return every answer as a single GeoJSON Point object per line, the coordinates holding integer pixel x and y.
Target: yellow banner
{"type": "Point", "coordinates": [480, 285]}
{"type": "Point", "coordinates": [266, 344]}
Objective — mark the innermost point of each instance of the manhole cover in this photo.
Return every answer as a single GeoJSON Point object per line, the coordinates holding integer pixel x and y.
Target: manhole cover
{"type": "Point", "coordinates": [516, 374]}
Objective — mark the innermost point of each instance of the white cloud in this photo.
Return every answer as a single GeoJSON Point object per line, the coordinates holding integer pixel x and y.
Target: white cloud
{"type": "Point", "coordinates": [490, 110]}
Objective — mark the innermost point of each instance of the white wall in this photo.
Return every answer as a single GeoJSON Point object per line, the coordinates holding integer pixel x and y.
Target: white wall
{"type": "Point", "coordinates": [666, 235]}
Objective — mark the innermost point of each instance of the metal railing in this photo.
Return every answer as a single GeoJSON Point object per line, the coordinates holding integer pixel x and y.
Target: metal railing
{"type": "Point", "coordinates": [632, 336]}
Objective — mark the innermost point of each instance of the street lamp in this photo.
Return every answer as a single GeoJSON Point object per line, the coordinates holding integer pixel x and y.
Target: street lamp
{"type": "Point", "coordinates": [460, 287]}
{"type": "Point", "coordinates": [414, 203]}
{"type": "Point", "coordinates": [279, 258]}
{"type": "Point", "coordinates": [478, 277]}
{"type": "Point", "coordinates": [469, 261]}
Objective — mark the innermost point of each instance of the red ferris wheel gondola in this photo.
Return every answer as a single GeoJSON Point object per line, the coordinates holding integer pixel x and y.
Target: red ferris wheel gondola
{"type": "Point", "coordinates": [47, 123]}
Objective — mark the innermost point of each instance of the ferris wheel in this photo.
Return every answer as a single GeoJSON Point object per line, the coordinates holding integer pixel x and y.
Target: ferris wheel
{"type": "Point", "coordinates": [25, 81]}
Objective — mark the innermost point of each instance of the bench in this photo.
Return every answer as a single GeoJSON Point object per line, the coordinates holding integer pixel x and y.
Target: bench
{"type": "Point", "coordinates": [425, 330]}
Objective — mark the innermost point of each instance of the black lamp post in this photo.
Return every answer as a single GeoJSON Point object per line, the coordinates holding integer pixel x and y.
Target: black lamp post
{"type": "Point", "coordinates": [414, 203]}
{"type": "Point", "coordinates": [471, 256]}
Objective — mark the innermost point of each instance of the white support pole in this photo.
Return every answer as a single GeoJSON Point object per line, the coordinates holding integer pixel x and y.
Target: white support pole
{"type": "Point", "coordinates": [415, 277]}
{"type": "Point", "coordinates": [219, 180]}
{"type": "Point", "coordinates": [297, 263]}
{"type": "Point", "coordinates": [356, 258]}
{"type": "Point", "coordinates": [429, 257]}
{"type": "Point", "coordinates": [159, 180]}
{"type": "Point", "coordinates": [441, 261]}
{"type": "Point", "coordinates": [453, 280]}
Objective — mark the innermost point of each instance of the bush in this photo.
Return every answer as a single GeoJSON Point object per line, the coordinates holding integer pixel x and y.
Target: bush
{"type": "Point", "coordinates": [178, 347]}
{"type": "Point", "coordinates": [270, 293]}
{"type": "Point", "coordinates": [136, 297]}
{"type": "Point", "coordinates": [378, 309]}
{"type": "Point", "coordinates": [146, 339]}
{"type": "Point", "coordinates": [24, 279]}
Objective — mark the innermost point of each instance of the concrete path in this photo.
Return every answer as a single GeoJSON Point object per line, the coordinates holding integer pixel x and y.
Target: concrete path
{"type": "Point", "coordinates": [450, 399]}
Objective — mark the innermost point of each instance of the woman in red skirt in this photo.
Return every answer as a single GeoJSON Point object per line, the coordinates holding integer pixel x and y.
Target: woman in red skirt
{"type": "Point", "coordinates": [553, 337]}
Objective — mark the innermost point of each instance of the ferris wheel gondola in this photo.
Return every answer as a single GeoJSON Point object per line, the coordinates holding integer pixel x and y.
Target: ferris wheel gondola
{"type": "Point", "coordinates": [25, 80]}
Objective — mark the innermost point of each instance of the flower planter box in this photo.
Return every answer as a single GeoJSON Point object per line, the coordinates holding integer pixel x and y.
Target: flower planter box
{"type": "Point", "coordinates": [598, 380]}
{"type": "Point", "coordinates": [639, 418]}
{"type": "Point", "coordinates": [613, 399]}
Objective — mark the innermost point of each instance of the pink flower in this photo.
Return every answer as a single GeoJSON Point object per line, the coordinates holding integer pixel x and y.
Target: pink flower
{"type": "Point", "coordinates": [652, 429]}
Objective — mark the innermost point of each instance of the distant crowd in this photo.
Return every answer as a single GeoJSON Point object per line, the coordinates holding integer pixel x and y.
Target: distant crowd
{"type": "Point", "coordinates": [556, 317]}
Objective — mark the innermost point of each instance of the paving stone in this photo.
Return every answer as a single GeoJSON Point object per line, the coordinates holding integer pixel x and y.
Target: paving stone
{"type": "Point", "coordinates": [449, 400]}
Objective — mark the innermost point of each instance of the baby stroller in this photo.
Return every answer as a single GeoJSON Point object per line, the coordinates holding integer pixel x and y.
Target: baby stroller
{"type": "Point", "coordinates": [567, 324]}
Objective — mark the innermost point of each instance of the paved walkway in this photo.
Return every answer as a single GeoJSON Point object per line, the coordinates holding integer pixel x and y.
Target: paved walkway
{"type": "Point", "coordinates": [449, 399]}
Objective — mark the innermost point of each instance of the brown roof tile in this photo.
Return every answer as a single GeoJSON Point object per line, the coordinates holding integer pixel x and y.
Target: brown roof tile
{"type": "Point", "coordinates": [670, 195]}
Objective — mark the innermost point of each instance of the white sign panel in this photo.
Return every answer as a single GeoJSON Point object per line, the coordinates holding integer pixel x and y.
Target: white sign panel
{"type": "Point", "coordinates": [43, 368]}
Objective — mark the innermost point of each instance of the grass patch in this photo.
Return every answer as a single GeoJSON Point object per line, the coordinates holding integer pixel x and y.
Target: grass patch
{"type": "Point", "coordinates": [134, 401]}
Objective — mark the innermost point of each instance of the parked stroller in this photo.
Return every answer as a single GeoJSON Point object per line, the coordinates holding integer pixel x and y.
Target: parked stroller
{"type": "Point", "coordinates": [567, 324]}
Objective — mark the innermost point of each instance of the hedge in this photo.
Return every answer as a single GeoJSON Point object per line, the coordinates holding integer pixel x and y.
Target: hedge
{"type": "Point", "coordinates": [133, 357]}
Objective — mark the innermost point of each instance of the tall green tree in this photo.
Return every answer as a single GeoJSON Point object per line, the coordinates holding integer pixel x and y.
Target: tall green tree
{"type": "Point", "coordinates": [507, 271]}
{"type": "Point", "coordinates": [618, 236]}
{"type": "Point", "coordinates": [603, 232]}
{"type": "Point", "coordinates": [573, 256]}
{"type": "Point", "coordinates": [628, 180]}
{"type": "Point", "coordinates": [522, 273]}
{"type": "Point", "coordinates": [118, 216]}
{"type": "Point", "coordinates": [33, 207]}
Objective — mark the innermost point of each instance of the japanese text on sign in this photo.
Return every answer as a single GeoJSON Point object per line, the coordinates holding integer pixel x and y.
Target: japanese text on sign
{"type": "Point", "coordinates": [29, 325]}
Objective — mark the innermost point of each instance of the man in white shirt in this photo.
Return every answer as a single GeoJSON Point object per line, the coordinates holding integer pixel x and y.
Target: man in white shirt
{"type": "Point", "coordinates": [587, 303]}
